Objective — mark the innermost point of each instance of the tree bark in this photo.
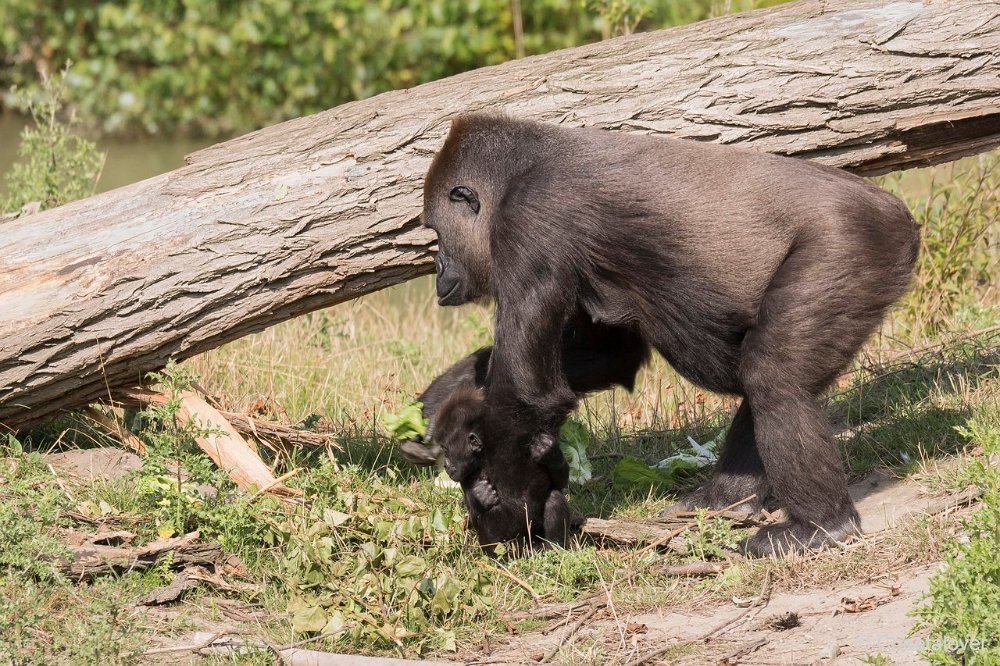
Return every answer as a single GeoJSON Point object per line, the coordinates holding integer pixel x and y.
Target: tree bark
{"type": "Point", "coordinates": [323, 209]}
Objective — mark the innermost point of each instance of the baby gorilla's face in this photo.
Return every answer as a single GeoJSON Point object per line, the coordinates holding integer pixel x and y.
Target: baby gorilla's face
{"type": "Point", "coordinates": [463, 455]}
{"type": "Point", "coordinates": [456, 431]}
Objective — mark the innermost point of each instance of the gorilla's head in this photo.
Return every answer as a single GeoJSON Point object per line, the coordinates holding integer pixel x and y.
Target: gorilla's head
{"type": "Point", "coordinates": [463, 192]}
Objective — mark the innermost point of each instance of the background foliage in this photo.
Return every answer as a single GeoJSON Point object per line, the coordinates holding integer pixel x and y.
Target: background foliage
{"type": "Point", "coordinates": [220, 66]}
{"type": "Point", "coordinates": [55, 166]}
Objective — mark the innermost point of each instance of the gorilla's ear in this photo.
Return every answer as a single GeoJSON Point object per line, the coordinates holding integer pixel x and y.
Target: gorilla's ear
{"type": "Point", "coordinates": [475, 444]}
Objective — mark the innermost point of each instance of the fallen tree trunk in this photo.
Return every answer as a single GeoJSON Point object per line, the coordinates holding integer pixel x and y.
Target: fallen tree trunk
{"type": "Point", "coordinates": [323, 209]}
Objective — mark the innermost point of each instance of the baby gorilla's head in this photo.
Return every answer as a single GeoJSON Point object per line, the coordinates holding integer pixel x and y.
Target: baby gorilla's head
{"type": "Point", "coordinates": [457, 431]}
{"type": "Point", "coordinates": [509, 496]}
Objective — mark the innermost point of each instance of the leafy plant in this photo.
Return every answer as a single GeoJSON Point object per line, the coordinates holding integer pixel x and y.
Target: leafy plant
{"type": "Point", "coordinates": [672, 469]}
{"type": "Point", "coordinates": [30, 507]}
{"type": "Point", "coordinates": [574, 438]}
{"type": "Point", "coordinates": [955, 280]}
{"type": "Point", "coordinates": [366, 565]}
{"type": "Point", "coordinates": [711, 538]}
{"type": "Point", "coordinates": [964, 596]}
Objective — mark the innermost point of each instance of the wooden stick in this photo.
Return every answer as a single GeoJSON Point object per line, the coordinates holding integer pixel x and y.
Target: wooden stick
{"type": "Point", "coordinates": [116, 429]}
{"type": "Point", "coordinates": [694, 569]}
{"type": "Point", "coordinates": [247, 425]}
{"type": "Point", "coordinates": [184, 648]}
{"type": "Point", "coordinates": [570, 634]}
{"type": "Point", "coordinates": [277, 482]}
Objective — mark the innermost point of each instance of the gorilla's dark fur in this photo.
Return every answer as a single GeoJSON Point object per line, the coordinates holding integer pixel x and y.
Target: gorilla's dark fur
{"type": "Point", "coordinates": [530, 511]}
{"type": "Point", "coordinates": [752, 274]}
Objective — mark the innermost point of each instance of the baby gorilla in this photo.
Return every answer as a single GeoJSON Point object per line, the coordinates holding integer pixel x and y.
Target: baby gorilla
{"type": "Point", "coordinates": [509, 498]}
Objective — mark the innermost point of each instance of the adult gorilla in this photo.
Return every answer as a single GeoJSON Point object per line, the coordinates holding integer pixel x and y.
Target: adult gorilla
{"type": "Point", "coordinates": [752, 274]}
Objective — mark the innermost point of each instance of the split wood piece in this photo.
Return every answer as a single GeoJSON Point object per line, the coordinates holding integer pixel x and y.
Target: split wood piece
{"type": "Point", "coordinates": [323, 209]}
{"type": "Point", "coordinates": [89, 559]}
{"type": "Point", "coordinates": [692, 569]}
{"type": "Point", "coordinates": [300, 657]}
{"type": "Point", "coordinates": [228, 450]}
{"type": "Point", "coordinates": [213, 643]}
{"type": "Point", "coordinates": [170, 593]}
{"type": "Point", "coordinates": [738, 518]}
{"type": "Point", "coordinates": [272, 433]}
{"type": "Point", "coordinates": [632, 532]}
{"type": "Point", "coordinates": [950, 502]}
{"type": "Point", "coordinates": [116, 429]}
{"type": "Point", "coordinates": [266, 431]}
{"type": "Point", "coordinates": [100, 538]}
{"type": "Point", "coordinates": [665, 532]}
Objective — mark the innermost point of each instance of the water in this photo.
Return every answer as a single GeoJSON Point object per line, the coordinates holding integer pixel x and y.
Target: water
{"type": "Point", "coordinates": [128, 160]}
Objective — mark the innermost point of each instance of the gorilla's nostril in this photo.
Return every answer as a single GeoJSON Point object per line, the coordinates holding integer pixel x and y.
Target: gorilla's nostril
{"type": "Point", "coordinates": [438, 263]}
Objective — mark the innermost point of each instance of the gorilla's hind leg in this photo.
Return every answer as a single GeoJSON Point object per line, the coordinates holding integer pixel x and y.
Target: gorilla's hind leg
{"type": "Point", "coordinates": [816, 314]}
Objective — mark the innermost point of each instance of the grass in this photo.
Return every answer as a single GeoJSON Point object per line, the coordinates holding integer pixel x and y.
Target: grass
{"type": "Point", "coordinates": [378, 559]}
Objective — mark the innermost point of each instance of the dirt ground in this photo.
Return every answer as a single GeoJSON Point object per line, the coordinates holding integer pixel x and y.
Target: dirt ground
{"type": "Point", "coordinates": [827, 626]}
{"type": "Point", "coordinates": [863, 622]}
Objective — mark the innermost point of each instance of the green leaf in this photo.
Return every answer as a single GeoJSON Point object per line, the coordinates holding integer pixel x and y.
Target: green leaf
{"type": "Point", "coordinates": [335, 518]}
{"type": "Point", "coordinates": [308, 619]}
{"type": "Point", "coordinates": [412, 566]}
{"type": "Point", "coordinates": [438, 521]}
{"type": "Point", "coordinates": [445, 600]}
{"type": "Point", "coordinates": [573, 440]}
{"type": "Point", "coordinates": [448, 640]}
{"type": "Point", "coordinates": [335, 624]}
{"type": "Point", "coordinates": [636, 471]}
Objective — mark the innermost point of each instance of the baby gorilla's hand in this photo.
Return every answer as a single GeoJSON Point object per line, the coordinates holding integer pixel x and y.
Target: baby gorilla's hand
{"type": "Point", "coordinates": [484, 493]}
{"type": "Point", "coordinates": [544, 450]}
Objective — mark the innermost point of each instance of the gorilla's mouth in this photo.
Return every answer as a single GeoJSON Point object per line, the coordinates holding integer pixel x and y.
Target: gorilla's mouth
{"type": "Point", "coordinates": [443, 300]}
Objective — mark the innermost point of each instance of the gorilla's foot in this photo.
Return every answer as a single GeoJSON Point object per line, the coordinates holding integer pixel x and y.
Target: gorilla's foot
{"type": "Point", "coordinates": [724, 492]}
{"type": "Point", "coordinates": [793, 537]}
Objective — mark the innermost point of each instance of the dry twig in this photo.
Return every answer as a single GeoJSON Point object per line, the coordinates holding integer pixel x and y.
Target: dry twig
{"type": "Point", "coordinates": [570, 634]}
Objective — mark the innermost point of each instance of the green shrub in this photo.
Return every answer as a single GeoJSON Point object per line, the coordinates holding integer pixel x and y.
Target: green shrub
{"type": "Point", "coordinates": [955, 280]}
{"type": "Point", "coordinates": [55, 166]}
{"type": "Point", "coordinates": [31, 506]}
{"type": "Point", "coordinates": [964, 597]}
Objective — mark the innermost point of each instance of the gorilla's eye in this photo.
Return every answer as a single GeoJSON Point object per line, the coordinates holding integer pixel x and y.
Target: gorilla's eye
{"type": "Point", "coordinates": [463, 193]}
